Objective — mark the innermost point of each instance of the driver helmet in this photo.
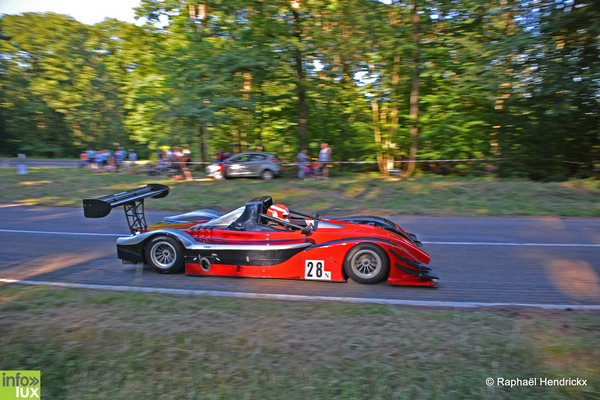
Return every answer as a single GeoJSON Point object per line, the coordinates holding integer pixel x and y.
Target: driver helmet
{"type": "Point", "coordinates": [279, 211]}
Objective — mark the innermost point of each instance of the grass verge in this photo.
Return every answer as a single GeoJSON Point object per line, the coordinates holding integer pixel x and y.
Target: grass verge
{"type": "Point", "coordinates": [345, 194]}
{"type": "Point", "coordinates": [95, 344]}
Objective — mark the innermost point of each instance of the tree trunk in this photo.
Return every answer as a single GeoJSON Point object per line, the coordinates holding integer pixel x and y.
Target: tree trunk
{"type": "Point", "coordinates": [301, 90]}
{"type": "Point", "coordinates": [204, 156]}
{"type": "Point", "coordinates": [414, 96]}
{"type": "Point", "coordinates": [377, 132]}
{"type": "Point", "coordinates": [246, 118]}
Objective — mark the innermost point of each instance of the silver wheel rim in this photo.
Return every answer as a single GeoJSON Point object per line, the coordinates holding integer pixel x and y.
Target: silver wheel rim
{"type": "Point", "coordinates": [267, 175]}
{"type": "Point", "coordinates": [163, 255]}
{"type": "Point", "coordinates": [366, 263]}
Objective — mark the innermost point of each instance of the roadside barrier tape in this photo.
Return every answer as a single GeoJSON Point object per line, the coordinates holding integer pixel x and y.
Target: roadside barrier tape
{"type": "Point", "coordinates": [295, 163]}
{"type": "Point", "coordinates": [375, 162]}
{"type": "Point", "coordinates": [455, 160]}
{"type": "Point", "coordinates": [408, 161]}
{"type": "Point", "coordinates": [200, 162]}
{"type": "Point", "coordinates": [297, 297]}
{"type": "Point", "coordinates": [398, 162]}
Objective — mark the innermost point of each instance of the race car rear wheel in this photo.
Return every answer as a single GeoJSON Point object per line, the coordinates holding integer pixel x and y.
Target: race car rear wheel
{"type": "Point", "coordinates": [164, 254]}
{"type": "Point", "coordinates": [367, 263]}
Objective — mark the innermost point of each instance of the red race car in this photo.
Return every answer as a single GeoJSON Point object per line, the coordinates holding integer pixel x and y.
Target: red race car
{"type": "Point", "coordinates": [266, 240]}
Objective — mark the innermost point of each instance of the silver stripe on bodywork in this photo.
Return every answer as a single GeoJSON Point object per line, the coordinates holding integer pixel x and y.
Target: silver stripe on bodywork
{"type": "Point", "coordinates": [249, 246]}
{"type": "Point", "coordinates": [191, 244]}
{"type": "Point", "coordinates": [186, 239]}
{"type": "Point", "coordinates": [325, 224]}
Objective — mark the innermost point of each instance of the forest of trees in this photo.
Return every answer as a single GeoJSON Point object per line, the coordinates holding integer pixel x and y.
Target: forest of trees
{"type": "Point", "coordinates": [410, 80]}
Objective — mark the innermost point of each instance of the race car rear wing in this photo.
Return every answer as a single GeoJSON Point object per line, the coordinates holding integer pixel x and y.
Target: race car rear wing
{"type": "Point", "coordinates": [132, 202]}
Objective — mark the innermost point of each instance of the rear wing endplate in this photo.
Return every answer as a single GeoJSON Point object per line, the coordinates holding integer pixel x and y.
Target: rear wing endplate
{"type": "Point", "coordinates": [131, 200]}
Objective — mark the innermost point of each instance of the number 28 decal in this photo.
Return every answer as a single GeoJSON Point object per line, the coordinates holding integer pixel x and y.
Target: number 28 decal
{"type": "Point", "coordinates": [315, 269]}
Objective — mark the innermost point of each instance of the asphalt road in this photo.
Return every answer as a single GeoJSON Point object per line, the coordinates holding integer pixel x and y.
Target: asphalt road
{"type": "Point", "coordinates": [488, 260]}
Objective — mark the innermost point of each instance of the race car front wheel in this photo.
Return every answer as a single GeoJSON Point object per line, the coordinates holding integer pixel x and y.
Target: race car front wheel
{"type": "Point", "coordinates": [164, 254]}
{"type": "Point", "coordinates": [366, 263]}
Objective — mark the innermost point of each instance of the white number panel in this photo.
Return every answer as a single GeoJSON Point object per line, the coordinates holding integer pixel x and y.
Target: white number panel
{"type": "Point", "coordinates": [315, 269]}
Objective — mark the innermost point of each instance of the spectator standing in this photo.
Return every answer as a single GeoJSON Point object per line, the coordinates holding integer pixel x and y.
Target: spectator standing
{"type": "Point", "coordinates": [102, 159]}
{"type": "Point", "coordinates": [132, 155]}
{"type": "Point", "coordinates": [91, 157]}
{"type": "Point", "coordinates": [84, 159]}
{"type": "Point", "coordinates": [324, 158]}
{"type": "Point", "coordinates": [161, 166]}
{"type": "Point", "coordinates": [302, 163]}
{"type": "Point", "coordinates": [175, 159]}
{"type": "Point", "coordinates": [185, 164]}
{"type": "Point", "coordinates": [110, 163]}
{"type": "Point", "coordinates": [119, 157]}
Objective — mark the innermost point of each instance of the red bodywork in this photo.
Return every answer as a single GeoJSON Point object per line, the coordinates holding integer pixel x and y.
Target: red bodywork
{"type": "Point", "coordinates": [251, 242]}
{"type": "Point", "coordinates": [330, 247]}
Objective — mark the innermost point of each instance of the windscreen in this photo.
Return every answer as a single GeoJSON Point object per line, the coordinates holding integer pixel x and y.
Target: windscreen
{"type": "Point", "coordinates": [226, 219]}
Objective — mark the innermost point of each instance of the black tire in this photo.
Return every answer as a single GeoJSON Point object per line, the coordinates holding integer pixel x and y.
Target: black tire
{"type": "Point", "coordinates": [267, 175]}
{"type": "Point", "coordinates": [366, 263]}
{"type": "Point", "coordinates": [164, 254]}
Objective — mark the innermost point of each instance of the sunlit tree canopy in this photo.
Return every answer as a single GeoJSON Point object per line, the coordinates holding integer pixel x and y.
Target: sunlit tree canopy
{"type": "Point", "coordinates": [381, 81]}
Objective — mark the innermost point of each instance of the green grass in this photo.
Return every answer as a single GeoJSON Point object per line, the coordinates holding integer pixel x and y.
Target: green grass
{"type": "Point", "coordinates": [105, 345]}
{"type": "Point", "coordinates": [343, 194]}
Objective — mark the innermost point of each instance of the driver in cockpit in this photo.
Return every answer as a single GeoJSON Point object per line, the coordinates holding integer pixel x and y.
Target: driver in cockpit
{"type": "Point", "coordinates": [279, 211]}
{"type": "Point", "coordinates": [282, 213]}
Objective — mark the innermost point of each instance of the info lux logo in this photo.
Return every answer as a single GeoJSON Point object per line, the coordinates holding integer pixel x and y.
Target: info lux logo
{"type": "Point", "coordinates": [20, 385]}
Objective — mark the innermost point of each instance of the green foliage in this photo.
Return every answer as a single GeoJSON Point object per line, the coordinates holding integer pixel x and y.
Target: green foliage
{"type": "Point", "coordinates": [551, 120]}
{"type": "Point", "coordinates": [57, 95]}
{"type": "Point", "coordinates": [495, 80]}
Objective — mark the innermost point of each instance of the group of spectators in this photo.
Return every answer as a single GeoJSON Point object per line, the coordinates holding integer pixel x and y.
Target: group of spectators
{"type": "Point", "coordinates": [107, 160]}
{"type": "Point", "coordinates": [317, 169]}
{"type": "Point", "coordinates": [175, 160]}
